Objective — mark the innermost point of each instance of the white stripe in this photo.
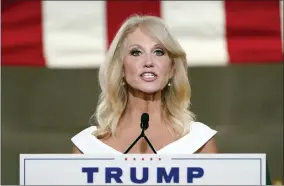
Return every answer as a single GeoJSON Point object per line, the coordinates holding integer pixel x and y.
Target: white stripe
{"type": "Point", "coordinates": [199, 26]}
{"type": "Point", "coordinates": [282, 23]}
{"type": "Point", "coordinates": [74, 33]}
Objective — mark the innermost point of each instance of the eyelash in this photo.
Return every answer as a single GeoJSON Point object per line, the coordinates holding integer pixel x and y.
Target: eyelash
{"type": "Point", "coordinates": [161, 51]}
{"type": "Point", "coordinates": [134, 51]}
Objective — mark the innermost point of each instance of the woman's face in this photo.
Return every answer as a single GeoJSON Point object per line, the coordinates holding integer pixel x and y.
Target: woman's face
{"type": "Point", "coordinates": [147, 66]}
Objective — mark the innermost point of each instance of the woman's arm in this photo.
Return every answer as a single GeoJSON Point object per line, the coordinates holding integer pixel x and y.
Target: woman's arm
{"type": "Point", "coordinates": [209, 147]}
{"type": "Point", "coordinates": [76, 150]}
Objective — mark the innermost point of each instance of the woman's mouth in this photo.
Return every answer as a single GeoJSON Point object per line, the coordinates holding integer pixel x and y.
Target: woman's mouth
{"type": "Point", "coordinates": [148, 76]}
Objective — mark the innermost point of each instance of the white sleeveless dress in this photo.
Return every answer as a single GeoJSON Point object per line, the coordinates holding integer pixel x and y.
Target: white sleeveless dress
{"type": "Point", "coordinates": [199, 134]}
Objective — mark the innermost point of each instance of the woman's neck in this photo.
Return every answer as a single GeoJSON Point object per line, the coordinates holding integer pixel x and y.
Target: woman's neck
{"type": "Point", "coordinates": [139, 103]}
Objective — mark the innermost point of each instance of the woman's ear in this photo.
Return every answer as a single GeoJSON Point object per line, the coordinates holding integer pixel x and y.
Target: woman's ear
{"type": "Point", "coordinates": [172, 72]}
{"type": "Point", "coordinates": [123, 77]}
{"type": "Point", "coordinates": [122, 71]}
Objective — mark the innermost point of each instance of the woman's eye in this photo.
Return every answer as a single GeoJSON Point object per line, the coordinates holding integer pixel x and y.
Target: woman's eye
{"type": "Point", "coordinates": [135, 52]}
{"type": "Point", "coordinates": [159, 52]}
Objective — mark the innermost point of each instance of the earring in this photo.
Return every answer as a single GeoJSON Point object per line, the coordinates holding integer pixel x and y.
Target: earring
{"type": "Point", "coordinates": [169, 84]}
{"type": "Point", "coordinates": [122, 82]}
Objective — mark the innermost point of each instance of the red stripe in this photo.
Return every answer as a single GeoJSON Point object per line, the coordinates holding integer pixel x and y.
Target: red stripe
{"type": "Point", "coordinates": [22, 33]}
{"type": "Point", "coordinates": [253, 31]}
{"type": "Point", "coordinates": [118, 11]}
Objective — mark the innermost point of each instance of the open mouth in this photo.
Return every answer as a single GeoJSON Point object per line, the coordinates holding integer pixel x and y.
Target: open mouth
{"type": "Point", "coordinates": [149, 76]}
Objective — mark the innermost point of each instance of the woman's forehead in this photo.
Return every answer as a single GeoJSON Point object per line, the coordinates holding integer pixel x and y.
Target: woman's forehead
{"type": "Point", "coordinates": [139, 37]}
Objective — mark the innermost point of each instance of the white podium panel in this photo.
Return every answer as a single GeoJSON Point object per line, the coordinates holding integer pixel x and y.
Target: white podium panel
{"type": "Point", "coordinates": [150, 169]}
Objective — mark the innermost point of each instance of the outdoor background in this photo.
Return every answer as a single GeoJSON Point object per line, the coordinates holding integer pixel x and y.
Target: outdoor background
{"type": "Point", "coordinates": [51, 52]}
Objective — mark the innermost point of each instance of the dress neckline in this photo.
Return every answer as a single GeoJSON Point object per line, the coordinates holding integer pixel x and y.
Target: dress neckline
{"type": "Point", "coordinates": [178, 141]}
{"type": "Point", "coordinates": [198, 135]}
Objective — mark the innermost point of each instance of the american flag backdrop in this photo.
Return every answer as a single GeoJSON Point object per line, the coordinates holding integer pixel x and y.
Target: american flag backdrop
{"type": "Point", "coordinates": [76, 34]}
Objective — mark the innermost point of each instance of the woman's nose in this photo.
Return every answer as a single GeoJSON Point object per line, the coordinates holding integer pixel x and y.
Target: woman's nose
{"type": "Point", "coordinates": [149, 61]}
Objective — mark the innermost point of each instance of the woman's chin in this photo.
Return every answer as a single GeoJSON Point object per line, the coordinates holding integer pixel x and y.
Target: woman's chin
{"type": "Point", "coordinates": [145, 89]}
{"type": "Point", "coordinates": [150, 90]}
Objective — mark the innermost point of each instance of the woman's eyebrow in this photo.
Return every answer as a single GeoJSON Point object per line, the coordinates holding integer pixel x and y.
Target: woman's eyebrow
{"type": "Point", "coordinates": [135, 45]}
{"type": "Point", "coordinates": [154, 46]}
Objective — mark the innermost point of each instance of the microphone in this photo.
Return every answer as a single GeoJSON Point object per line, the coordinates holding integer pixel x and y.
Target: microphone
{"type": "Point", "coordinates": [144, 124]}
{"type": "Point", "coordinates": [144, 121]}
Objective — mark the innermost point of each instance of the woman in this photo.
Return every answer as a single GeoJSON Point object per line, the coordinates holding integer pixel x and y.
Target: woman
{"type": "Point", "coordinates": [145, 72]}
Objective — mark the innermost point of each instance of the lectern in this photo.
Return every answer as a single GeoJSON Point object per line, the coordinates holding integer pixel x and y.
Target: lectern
{"type": "Point", "coordinates": [137, 169]}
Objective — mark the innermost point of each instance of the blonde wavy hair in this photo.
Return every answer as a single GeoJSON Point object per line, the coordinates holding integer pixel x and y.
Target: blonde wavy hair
{"type": "Point", "coordinates": [114, 96]}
